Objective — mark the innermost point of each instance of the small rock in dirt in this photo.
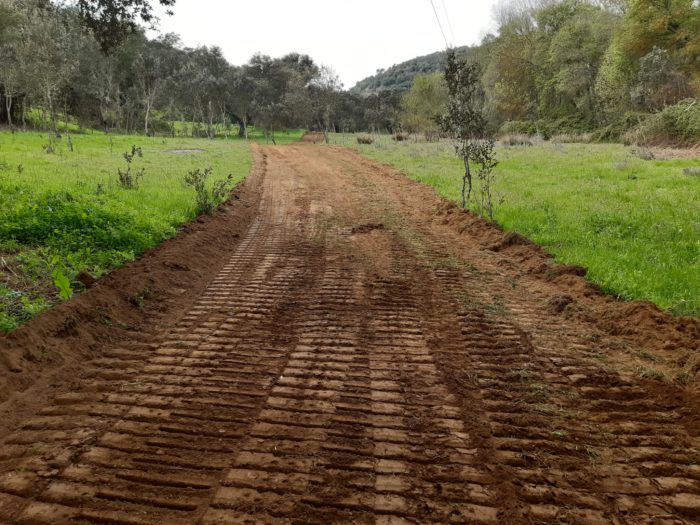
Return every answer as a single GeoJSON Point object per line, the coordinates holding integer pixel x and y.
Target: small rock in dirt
{"type": "Point", "coordinates": [87, 280]}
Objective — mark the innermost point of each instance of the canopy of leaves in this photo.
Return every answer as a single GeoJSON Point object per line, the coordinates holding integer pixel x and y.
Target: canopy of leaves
{"type": "Point", "coordinates": [112, 20]}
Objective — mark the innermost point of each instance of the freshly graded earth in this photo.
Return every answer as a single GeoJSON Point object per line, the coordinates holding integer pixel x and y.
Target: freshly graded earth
{"type": "Point", "coordinates": [339, 345]}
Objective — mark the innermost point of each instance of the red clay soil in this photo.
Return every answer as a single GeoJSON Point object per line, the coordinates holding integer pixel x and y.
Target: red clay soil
{"type": "Point", "coordinates": [339, 345]}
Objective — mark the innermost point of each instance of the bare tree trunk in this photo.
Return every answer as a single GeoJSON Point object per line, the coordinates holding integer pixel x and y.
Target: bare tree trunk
{"type": "Point", "coordinates": [148, 115]}
{"type": "Point", "coordinates": [466, 183]}
{"type": "Point", "coordinates": [8, 105]}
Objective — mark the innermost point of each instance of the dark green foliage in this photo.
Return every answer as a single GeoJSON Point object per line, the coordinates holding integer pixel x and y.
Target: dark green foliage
{"type": "Point", "coordinates": [112, 20]}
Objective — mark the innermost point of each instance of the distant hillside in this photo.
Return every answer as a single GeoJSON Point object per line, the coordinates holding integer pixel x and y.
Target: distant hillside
{"type": "Point", "coordinates": [400, 76]}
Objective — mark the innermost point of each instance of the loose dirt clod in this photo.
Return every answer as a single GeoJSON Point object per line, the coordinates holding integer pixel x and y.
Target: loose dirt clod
{"type": "Point", "coordinates": [267, 367]}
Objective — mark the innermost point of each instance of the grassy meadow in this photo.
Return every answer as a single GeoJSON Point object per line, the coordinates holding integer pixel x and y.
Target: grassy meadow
{"type": "Point", "coordinates": [63, 210]}
{"type": "Point", "coordinates": [634, 223]}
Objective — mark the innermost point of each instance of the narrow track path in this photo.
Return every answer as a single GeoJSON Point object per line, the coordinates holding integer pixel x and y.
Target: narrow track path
{"type": "Point", "coordinates": [355, 362]}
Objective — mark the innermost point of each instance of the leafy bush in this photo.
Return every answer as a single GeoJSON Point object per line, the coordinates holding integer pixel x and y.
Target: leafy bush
{"type": "Point", "coordinates": [677, 125]}
{"type": "Point", "coordinates": [207, 200]}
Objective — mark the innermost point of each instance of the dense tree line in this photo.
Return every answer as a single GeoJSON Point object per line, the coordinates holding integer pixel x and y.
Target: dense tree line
{"type": "Point", "coordinates": [573, 66]}
{"type": "Point", "coordinates": [53, 65]}
{"type": "Point", "coordinates": [552, 66]}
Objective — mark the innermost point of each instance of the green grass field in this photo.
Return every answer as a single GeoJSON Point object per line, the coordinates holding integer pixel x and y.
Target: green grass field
{"type": "Point", "coordinates": [65, 212]}
{"type": "Point", "coordinates": [635, 224]}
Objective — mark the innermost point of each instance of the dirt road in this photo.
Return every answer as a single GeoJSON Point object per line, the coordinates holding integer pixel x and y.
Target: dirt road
{"type": "Point", "coordinates": [368, 354]}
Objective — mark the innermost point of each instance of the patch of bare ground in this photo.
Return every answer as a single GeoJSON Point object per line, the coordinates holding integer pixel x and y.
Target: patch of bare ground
{"type": "Point", "coordinates": [367, 353]}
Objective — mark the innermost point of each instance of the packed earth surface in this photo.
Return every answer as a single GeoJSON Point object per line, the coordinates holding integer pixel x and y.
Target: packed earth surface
{"type": "Point", "coordinates": [339, 345]}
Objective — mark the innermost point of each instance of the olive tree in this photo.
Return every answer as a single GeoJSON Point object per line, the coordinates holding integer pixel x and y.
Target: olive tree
{"type": "Point", "coordinates": [465, 122]}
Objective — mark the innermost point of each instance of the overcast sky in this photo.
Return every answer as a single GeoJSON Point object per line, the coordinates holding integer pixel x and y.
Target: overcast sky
{"type": "Point", "coordinates": [354, 37]}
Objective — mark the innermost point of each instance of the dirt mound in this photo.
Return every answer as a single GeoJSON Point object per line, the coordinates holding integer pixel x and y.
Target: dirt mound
{"type": "Point", "coordinates": [644, 320]}
{"type": "Point", "coordinates": [155, 288]}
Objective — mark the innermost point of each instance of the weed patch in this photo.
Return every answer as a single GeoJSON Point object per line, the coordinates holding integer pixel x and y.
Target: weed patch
{"type": "Point", "coordinates": [65, 214]}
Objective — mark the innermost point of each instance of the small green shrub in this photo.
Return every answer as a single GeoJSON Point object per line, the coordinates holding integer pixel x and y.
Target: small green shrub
{"type": "Point", "coordinates": [127, 179]}
{"type": "Point", "coordinates": [207, 200]}
{"type": "Point", "coordinates": [65, 291]}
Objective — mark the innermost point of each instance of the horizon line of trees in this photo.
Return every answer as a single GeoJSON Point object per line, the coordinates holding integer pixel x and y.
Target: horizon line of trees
{"type": "Point", "coordinates": [51, 66]}
{"type": "Point", "coordinates": [553, 65]}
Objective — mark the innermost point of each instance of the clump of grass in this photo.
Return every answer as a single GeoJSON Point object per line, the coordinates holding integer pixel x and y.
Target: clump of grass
{"type": "Point", "coordinates": [365, 139]}
{"type": "Point", "coordinates": [648, 372]}
{"type": "Point", "coordinates": [648, 356]}
{"type": "Point", "coordinates": [401, 137]}
{"type": "Point", "coordinates": [693, 172]}
{"type": "Point", "coordinates": [689, 364]}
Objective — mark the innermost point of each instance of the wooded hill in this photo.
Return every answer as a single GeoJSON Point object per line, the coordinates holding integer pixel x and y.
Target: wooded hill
{"type": "Point", "coordinates": [400, 76]}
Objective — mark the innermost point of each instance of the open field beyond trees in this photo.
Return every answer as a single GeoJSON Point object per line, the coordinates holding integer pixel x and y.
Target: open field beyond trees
{"type": "Point", "coordinates": [65, 211]}
{"type": "Point", "coordinates": [632, 223]}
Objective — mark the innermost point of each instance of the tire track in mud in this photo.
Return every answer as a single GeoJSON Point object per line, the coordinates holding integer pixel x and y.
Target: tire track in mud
{"type": "Point", "coordinates": [346, 367]}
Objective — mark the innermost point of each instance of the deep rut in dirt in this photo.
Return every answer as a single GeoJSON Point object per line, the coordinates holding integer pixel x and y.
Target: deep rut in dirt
{"type": "Point", "coordinates": [354, 362]}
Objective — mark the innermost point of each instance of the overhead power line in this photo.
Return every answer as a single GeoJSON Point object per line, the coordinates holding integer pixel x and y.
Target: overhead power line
{"type": "Point", "coordinates": [437, 17]}
{"type": "Point", "coordinates": [449, 21]}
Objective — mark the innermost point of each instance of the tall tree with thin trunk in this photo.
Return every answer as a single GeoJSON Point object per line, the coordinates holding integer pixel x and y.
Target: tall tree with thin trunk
{"type": "Point", "coordinates": [465, 122]}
